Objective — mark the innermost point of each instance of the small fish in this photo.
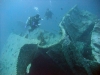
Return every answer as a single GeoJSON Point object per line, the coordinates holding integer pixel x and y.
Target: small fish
{"type": "Point", "coordinates": [61, 8]}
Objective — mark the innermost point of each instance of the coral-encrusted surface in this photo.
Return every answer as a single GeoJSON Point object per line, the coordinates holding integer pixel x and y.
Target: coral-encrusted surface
{"type": "Point", "coordinates": [26, 56]}
{"type": "Point", "coordinates": [9, 55]}
{"type": "Point", "coordinates": [95, 41]}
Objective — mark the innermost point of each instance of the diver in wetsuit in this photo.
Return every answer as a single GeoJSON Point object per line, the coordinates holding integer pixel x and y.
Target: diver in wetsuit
{"type": "Point", "coordinates": [48, 14]}
{"type": "Point", "coordinates": [33, 22]}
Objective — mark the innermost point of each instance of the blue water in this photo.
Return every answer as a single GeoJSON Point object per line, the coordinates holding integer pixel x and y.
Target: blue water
{"type": "Point", "coordinates": [14, 13]}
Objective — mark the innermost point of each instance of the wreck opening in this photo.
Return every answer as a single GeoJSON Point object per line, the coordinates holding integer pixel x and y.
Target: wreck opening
{"type": "Point", "coordinates": [44, 65]}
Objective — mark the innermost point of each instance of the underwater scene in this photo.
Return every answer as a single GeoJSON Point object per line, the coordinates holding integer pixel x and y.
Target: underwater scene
{"type": "Point", "coordinates": [49, 37]}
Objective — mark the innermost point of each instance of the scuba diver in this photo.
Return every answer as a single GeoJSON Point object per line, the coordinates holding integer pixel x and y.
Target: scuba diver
{"type": "Point", "coordinates": [48, 14]}
{"type": "Point", "coordinates": [33, 22]}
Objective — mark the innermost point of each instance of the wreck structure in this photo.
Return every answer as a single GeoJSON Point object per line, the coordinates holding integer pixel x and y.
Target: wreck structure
{"type": "Point", "coordinates": [75, 50]}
